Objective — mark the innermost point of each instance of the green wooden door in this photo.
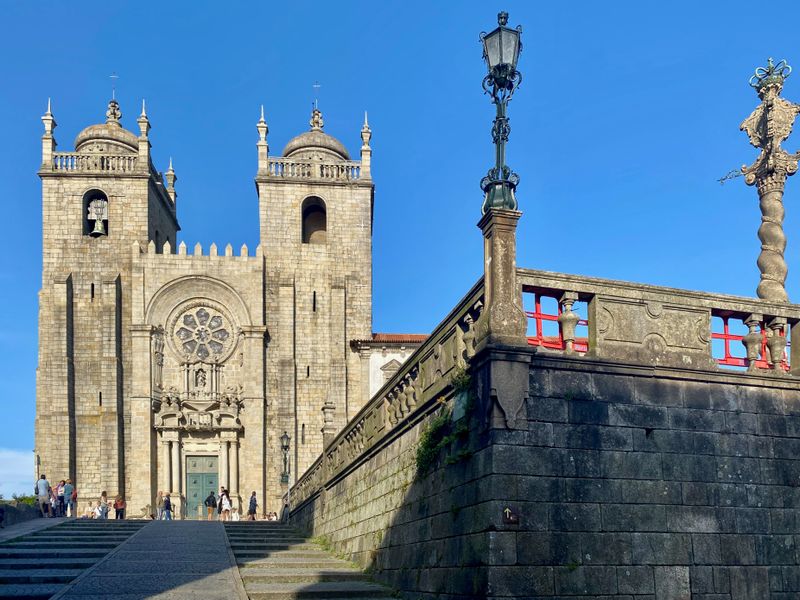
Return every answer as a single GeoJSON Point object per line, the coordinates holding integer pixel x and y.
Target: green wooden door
{"type": "Point", "coordinates": [201, 478]}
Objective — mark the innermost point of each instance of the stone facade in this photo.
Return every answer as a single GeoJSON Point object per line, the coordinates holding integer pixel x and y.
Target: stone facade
{"type": "Point", "coordinates": [152, 355]}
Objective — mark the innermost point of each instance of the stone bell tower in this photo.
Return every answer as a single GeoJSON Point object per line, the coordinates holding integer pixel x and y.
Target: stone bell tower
{"type": "Point", "coordinates": [97, 202]}
{"type": "Point", "coordinates": [315, 207]}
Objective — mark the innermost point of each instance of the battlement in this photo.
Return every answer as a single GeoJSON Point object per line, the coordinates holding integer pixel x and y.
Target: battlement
{"type": "Point", "coordinates": [197, 252]}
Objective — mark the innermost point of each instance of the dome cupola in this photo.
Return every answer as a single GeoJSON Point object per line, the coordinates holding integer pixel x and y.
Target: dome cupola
{"type": "Point", "coordinates": [108, 136]}
{"type": "Point", "coordinates": [315, 142]}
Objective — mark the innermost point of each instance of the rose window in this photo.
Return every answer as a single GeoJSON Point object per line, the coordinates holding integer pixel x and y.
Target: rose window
{"type": "Point", "coordinates": [202, 333]}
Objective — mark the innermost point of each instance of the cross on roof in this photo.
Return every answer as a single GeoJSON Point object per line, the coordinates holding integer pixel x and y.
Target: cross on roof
{"type": "Point", "coordinates": [113, 77]}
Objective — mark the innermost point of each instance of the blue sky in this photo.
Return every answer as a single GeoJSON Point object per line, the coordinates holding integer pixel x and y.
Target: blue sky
{"type": "Point", "coordinates": [627, 116]}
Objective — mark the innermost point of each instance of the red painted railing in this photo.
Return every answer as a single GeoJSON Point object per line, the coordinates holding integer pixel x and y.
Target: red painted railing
{"type": "Point", "coordinates": [554, 342]}
{"type": "Point", "coordinates": [728, 359]}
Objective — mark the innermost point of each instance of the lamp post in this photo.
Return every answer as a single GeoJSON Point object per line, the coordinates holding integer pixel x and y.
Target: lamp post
{"type": "Point", "coordinates": [285, 439]}
{"type": "Point", "coordinates": [501, 50]}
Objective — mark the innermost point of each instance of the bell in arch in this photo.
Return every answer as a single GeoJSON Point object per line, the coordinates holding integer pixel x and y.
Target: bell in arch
{"type": "Point", "coordinates": [97, 211]}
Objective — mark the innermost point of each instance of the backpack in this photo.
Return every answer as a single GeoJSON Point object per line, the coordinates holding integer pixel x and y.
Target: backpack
{"type": "Point", "coordinates": [167, 504]}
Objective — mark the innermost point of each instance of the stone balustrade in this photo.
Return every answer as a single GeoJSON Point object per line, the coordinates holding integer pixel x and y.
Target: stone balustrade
{"type": "Point", "coordinates": [90, 163]}
{"type": "Point", "coordinates": [407, 397]}
{"type": "Point", "coordinates": [651, 325]}
{"type": "Point", "coordinates": [311, 169]}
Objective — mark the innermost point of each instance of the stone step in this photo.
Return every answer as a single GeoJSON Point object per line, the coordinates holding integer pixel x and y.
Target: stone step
{"type": "Point", "coordinates": [32, 563]}
{"type": "Point", "coordinates": [41, 591]}
{"type": "Point", "coordinates": [51, 553]}
{"type": "Point", "coordinates": [330, 589]}
{"type": "Point", "coordinates": [62, 544]}
{"type": "Point", "coordinates": [56, 535]}
{"type": "Point", "coordinates": [249, 554]}
{"type": "Point", "coordinates": [275, 562]}
{"type": "Point", "coordinates": [41, 575]}
{"type": "Point", "coordinates": [271, 546]}
{"type": "Point", "coordinates": [300, 575]}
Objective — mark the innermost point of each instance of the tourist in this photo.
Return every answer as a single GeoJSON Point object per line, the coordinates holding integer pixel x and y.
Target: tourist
{"type": "Point", "coordinates": [235, 514]}
{"type": "Point", "coordinates": [251, 509]}
{"type": "Point", "coordinates": [42, 491]}
{"type": "Point", "coordinates": [222, 492]}
{"type": "Point", "coordinates": [211, 504]}
{"type": "Point", "coordinates": [225, 504]}
{"type": "Point", "coordinates": [119, 507]}
{"type": "Point", "coordinates": [98, 511]}
{"type": "Point", "coordinates": [61, 507]}
{"type": "Point", "coordinates": [89, 512]}
{"type": "Point", "coordinates": [167, 509]}
{"type": "Point", "coordinates": [160, 505]}
{"type": "Point", "coordinates": [69, 501]}
{"type": "Point", "coordinates": [104, 506]}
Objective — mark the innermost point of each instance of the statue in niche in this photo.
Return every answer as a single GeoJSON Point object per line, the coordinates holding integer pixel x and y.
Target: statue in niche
{"type": "Point", "coordinates": [200, 379]}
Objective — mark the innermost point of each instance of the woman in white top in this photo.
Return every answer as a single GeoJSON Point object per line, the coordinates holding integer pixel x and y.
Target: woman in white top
{"type": "Point", "coordinates": [226, 506]}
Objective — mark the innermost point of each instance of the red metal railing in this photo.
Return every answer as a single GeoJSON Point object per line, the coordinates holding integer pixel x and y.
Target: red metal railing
{"type": "Point", "coordinates": [554, 342]}
{"type": "Point", "coordinates": [728, 359]}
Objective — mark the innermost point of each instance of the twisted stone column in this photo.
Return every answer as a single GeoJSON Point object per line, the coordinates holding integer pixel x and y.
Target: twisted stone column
{"type": "Point", "coordinates": [768, 126]}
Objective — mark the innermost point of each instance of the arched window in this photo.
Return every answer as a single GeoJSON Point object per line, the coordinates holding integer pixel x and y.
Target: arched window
{"type": "Point", "coordinates": [315, 221]}
{"type": "Point", "coordinates": [95, 213]}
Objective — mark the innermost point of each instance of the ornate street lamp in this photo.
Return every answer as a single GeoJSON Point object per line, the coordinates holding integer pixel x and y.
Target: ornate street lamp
{"type": "Point", "coordinates": [501, 50]}
{"type": "Point", "coordinates": [285, 439]}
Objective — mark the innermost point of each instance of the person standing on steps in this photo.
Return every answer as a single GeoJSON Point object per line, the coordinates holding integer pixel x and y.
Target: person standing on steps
{"type": "Point", "coordinates": [104, 506]}
{"type": "Point", "coordinates": [251, 509]}
{"type": "Point", "coordinates": [211, 504]}
{"type": "Point", "coordinates": [222, 491]}
{"type": "Point", "coordinates": [119, 508]}
{"type": "Point", "coordinates": [69, 501]}
{"type": "Point", "coordinates": [61, 506]}
{"type": "Point", "coordinates": [42, 490]}
{"type": "Point", "coordinates": [226, 506]}
{"type": "Point", "coordinates": [160, 505]}
{"type": "Point", "coordinates": [167, 508]}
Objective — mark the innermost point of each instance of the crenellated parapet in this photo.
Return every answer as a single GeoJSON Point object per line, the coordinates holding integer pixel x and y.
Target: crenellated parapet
{"type": "Point", "coordinates": [150, 251]}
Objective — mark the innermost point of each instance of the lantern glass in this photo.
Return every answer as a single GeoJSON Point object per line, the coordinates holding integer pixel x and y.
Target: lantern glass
{"type": "Point", "coordinates": [285, 441]}
{"type": "Point", "coordinates": [509, 47]}
{"type": "Point", "coordinates": [491, 48]}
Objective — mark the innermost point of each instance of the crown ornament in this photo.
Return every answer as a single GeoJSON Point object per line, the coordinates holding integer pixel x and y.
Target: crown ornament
{"type": "Point", "coordinates": [770, 75]}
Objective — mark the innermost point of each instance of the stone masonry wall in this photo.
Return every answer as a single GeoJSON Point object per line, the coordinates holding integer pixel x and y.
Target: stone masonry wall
{"type": "Point", "coordinates": [418, 533]}
{"type": "Point", "coordinates": [630, 483]}
{"type": "Point", "coordinates": [646, 483]}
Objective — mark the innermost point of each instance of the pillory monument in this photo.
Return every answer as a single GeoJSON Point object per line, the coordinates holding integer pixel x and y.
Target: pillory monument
{"type": "Point", "coordinates": [556, 436]}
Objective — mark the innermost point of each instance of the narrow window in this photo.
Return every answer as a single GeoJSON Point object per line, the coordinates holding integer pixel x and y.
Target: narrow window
{"type": "Point", "coordinates": [100, 398]}
{"type": "Point", "coordinates": [95, 213]}
{"type": "Point", "coordinates": [314, 302]}
{"type": "Point", "coordinates": [315, 221]}
{"type": "Point", "coordinates": [308, 371]}
{"type": "Point", "coordinates": [91, 292]}
{"type": "Point", "coordinates": [303, 434]}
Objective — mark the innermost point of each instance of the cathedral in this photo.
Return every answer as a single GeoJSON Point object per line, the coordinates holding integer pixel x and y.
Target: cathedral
{"type": "Point", "coordinates": [169, 369]}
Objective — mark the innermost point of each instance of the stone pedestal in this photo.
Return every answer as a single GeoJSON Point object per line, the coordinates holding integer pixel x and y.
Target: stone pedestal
{"type": "Point", "coordinates": [502, 321]}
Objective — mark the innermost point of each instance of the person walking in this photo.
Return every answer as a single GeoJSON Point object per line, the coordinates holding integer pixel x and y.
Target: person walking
{"type": "Point", "coordinates": [69, 501]}
{"type": "Point", "coordinates": [119, 508]}
{"type": "Point", "coordinates": [160, 505]}
{"type": "Point", "coordinates": [61, 509]}
{"type": "Point", "coordinates": [211, 504]}
{"type": "Point", "coordinates": [42, 491]}
{"type": "Point", "coordinates": [251, 509]}
{"type": "Point", "coordinates": [222, 492]}
{"type": "Point", "coordinates": [167, 512]}
{"type": "Point", "coordinates": [226, 506]}
{"type": "Point", "coordinates": [104, 507]}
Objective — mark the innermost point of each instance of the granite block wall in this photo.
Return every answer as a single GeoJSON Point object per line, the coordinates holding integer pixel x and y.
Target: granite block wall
{"type": "Point", "coordinates": [651, 484]}
{"type": "Point", "coordinates": [627, 483]}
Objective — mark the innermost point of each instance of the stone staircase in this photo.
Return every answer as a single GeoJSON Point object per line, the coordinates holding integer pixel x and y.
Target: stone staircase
{"type": "Point", "coordinates": [38, 565]}
{"type": "Point", "coordinates": [276, 563]}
